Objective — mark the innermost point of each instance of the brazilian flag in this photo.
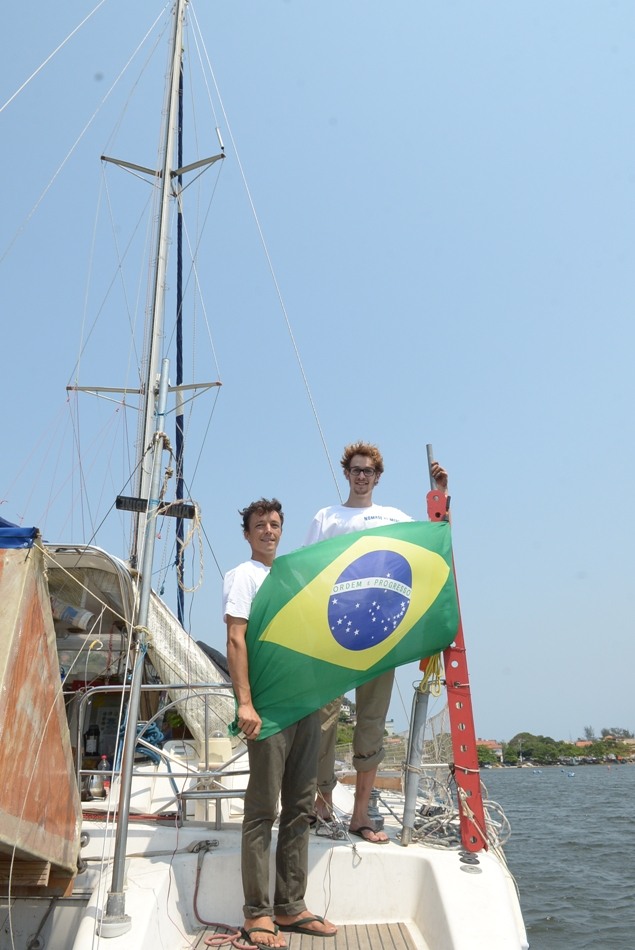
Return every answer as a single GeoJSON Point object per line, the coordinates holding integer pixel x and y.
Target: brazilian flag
{"type": "Point", "coordinates": [336, 614]}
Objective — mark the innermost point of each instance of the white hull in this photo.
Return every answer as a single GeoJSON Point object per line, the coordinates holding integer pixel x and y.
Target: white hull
{"type": "Point", "coordinates": [444, 903]}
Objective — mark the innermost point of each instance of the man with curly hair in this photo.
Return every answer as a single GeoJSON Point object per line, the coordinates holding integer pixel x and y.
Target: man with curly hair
{"type": "Point", "coordinates": [363, 466]}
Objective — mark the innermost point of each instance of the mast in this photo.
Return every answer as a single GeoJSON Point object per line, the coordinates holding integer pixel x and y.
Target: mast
{"type": "Point", "coordinates": [180, 533]}
{"type": "Point", "coordinates": [115, 920]}
{"type": "Point", "coordinates": [156, 304]}
{"type": "Point", "coordinates": [152, 442]}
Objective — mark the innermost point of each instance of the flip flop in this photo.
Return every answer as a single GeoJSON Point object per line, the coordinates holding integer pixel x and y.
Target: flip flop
{"type": "Point", "coordinates": [246, 935]}
{"type": "Point", "coordinates": [301, 928]}
{"type": "Point", "coordinates": [359, 832]}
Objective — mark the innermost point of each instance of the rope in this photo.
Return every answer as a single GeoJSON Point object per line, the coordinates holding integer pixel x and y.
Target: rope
{"type": "Point", "coordinates": [432, 676]}
{"type": "Point", "coordinates": [194, 531]}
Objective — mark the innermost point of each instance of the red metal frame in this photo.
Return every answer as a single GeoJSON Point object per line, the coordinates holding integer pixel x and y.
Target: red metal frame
{"type": "Point", "coordinates": [457, 682]}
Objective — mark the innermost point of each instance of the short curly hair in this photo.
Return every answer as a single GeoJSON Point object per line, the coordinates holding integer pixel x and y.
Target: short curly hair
{"type": "Point", "coordinates": [363, 448]}
{"type": "Point", "coordinates": [261, 507]}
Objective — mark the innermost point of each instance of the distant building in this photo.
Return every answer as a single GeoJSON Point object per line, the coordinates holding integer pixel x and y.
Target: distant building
{"type": "Point", "coordinates": [347, 709]}
{"type": "Point", "coordinates": [494, 745]}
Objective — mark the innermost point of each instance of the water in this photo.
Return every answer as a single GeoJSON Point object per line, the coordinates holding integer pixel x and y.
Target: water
{"type": "Point", "coordinates": [571, 852]}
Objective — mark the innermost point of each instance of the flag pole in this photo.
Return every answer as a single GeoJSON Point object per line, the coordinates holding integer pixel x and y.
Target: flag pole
{"type": "Point", "coordinates": [430, 454]}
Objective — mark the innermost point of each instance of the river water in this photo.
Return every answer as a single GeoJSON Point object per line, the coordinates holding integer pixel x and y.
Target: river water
{"type": "Point", "coordinates": [572, 853]}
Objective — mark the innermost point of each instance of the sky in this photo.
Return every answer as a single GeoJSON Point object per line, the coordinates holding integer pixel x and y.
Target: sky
{"type": "Point", "coordinates": [446, 196]}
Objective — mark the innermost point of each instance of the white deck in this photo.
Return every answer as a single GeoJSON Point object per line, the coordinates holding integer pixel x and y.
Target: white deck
{"type": "Point", "coordinates": [415, 898]}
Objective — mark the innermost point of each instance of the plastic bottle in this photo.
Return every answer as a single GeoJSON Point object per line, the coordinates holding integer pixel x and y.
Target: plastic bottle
{"type": "Point", "coordinates": [104, 768]}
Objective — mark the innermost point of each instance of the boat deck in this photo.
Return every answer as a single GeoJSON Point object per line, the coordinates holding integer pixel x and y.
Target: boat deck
{"type": "Point", "coordinates": [350, 937]}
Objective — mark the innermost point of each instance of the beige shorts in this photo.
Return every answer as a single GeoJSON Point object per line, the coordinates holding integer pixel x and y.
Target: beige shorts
{"type": "Point", "coordinates": [372, 701]}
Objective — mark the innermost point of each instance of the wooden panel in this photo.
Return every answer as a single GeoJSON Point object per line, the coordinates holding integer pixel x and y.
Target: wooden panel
{"type": "Point", "coordinates": [29, 873]}
{"type": "Point", "coordinates": [40, 808]}
{"type": "Point", "coordinates": [392, 781]}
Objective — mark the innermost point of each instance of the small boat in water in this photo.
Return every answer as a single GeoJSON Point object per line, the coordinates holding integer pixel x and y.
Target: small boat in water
{"type": "Point", "coordinates": [121, 825]}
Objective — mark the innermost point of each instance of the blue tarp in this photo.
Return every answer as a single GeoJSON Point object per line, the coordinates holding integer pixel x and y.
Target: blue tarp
{"type": "Point", "coordinates": [12, 536]}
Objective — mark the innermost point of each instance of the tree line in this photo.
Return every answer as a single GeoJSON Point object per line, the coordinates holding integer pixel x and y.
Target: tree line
{"type": "Point", "coordinates": [543, 750]}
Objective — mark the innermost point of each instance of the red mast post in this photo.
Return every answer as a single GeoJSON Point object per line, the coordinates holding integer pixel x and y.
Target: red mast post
{"type": "Point", "coordinates": [457, 683]}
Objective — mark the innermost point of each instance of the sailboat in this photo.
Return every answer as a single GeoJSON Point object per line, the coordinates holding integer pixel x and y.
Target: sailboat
{"type": "Point", "coordinates": [114, 830]}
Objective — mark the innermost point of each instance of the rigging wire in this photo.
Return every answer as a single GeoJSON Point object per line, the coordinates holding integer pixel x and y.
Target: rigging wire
{"type": "Point", "coordinates": [121, 253]}
{"type": "Point", "coordinates": [193, 275]}
{"type": "Point", "coordinates": [98, 440]}
{"type": "Point", "coordinates": [121, 256]}
{"type": "Point", "coordinates": [39, 69]}
{"type": "Point", "coordinates": [22, 227]}
{"type": "Point", "coordinates": [272, 272]}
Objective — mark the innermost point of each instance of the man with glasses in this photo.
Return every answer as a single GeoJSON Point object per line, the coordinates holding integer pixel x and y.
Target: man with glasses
{"type": "Point", "coordinates": [363, 466]}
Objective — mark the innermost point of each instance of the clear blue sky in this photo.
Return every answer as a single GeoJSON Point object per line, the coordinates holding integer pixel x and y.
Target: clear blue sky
{"type": "Point", "coordinates": [447, 193]}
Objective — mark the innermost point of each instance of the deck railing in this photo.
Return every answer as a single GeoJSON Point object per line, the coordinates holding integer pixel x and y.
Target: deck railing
{"type": "Point", "coordinates": [208, 776]}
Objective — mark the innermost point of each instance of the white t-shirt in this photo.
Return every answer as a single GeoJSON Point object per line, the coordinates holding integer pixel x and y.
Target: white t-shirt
{"type": "Point", "coordinates": [338, 519]}
{"type": "Point", "coordinates": [240, 586]}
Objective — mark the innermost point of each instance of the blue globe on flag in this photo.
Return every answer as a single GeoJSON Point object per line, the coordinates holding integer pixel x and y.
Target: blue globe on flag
{"type": "Point", "coordinates": [370, 599]}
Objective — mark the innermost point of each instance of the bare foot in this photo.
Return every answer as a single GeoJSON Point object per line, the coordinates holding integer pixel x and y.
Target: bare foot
{"type": "Point", "coordinates": [323, 806]}
{"type": "Point", "coordinates": [306, 923]}
{"type": "Point", "coordinates": [263, 932]}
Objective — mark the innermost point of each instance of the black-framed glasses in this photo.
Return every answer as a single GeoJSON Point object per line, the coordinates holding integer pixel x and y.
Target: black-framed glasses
{"type": "Point", "coordinates": [356, 471]}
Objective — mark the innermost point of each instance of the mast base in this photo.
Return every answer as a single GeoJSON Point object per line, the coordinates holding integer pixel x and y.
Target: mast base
{"type": "Point", "coordinates": [115, 921]}
{"type": "Point", "coordinates": [115, 926]}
